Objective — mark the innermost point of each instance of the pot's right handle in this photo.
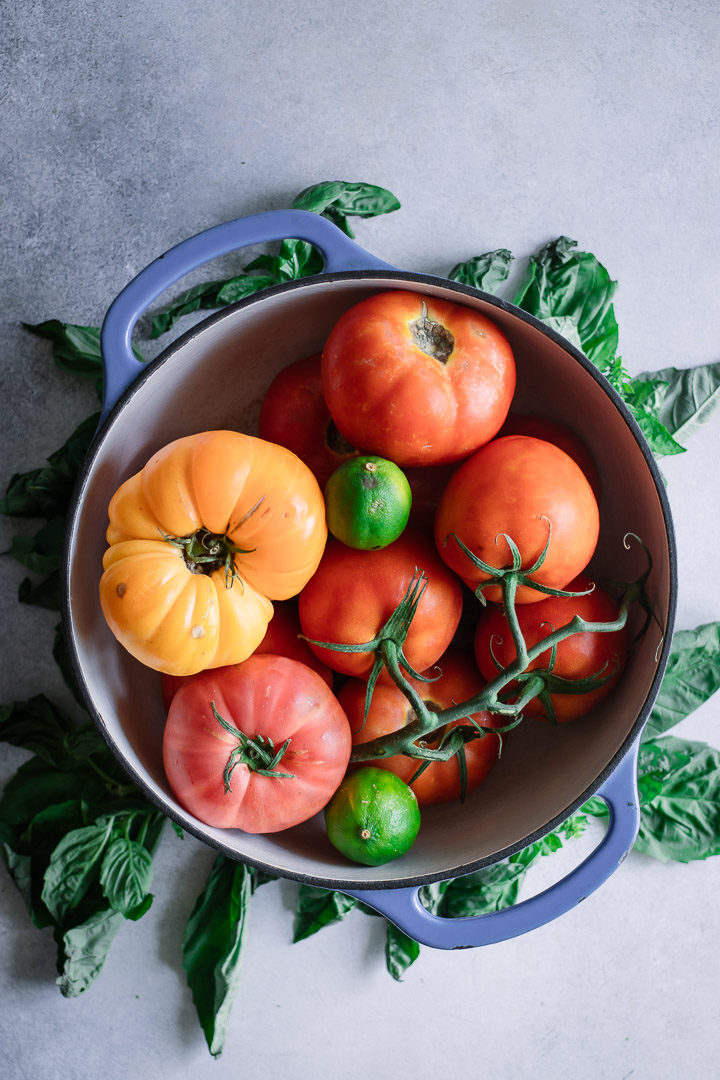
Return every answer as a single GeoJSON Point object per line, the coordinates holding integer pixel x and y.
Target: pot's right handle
{"type": "Point", "coordinates": [121, 366]}
{"type": "Point", "coordinates": [403, 907]}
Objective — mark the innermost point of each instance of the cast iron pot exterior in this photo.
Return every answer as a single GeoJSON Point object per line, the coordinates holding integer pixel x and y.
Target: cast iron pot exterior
{"type": "Point", "coordinates": [215, 376]}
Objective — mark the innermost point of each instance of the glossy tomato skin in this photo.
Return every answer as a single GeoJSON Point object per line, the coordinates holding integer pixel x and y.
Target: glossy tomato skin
{"type": "Point", "coordinates": [266, 695]}
{"type": "Point", "coordinates": [294, 414]}
{"type": "Point", "coordinates": [559, 435]}
{"type": "Point", "coordinates": [388, 393]}
{"type": "Point", "coordinates": [578, 657]}
{"type": "Point", "coordinates": [518, 486]}
{"type": "Point", "coordinates": [353, 594]}
{"type": "Point", "coordinates": [281, 638]}
{"type": "Point", "coordinates": [390, 711]}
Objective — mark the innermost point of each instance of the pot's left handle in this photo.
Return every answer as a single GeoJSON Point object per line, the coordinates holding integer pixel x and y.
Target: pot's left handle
{"type": "Point", "coordinates": [403, 906]}
{"type": "Point", "coordinates": [121, 366]}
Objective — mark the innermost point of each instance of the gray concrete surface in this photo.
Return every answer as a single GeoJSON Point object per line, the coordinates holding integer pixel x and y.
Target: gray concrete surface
{"type": "Point", "coordinates": [127, 127]}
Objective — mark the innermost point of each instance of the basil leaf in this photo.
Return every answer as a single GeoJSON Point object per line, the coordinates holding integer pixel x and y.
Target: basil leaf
{"type": "Point", "coordinates": [295, 259]}
{"type": "Point", "coordinates": [126, 874]}
{"type": "Point", "coordinates": [340, 199]}
{"type": "Point", "coordinates": [83, 950]}
{"type": "Point", "coordinates": [486, 272]}
{"type": "Point", "coordinates": [46, 594]}
{"type": "Point", "coordinates": [659, 439]}
{"type": "Point", "coordinates": [490, 889]}
{"type": "Point", "coordinates": [683, 399]}
{"type": "Point", "coordinates": [75, 348]}
{"type": "Point", "coordinates": [400, 951]}
{"type": "Point", "coordinates": [19, 867]}
{"type": "Point", "coordinates": [73, 865]}
{"type": "Point", "coordinates": [317, 908]}
{"type": "Point", "coordinates": [38, 784]}
{"type": "Point", "coordinates": [208, 296]}
{"type": "Point", "coordinates": [680, 784]}
{"type": "Point", "coordinates": [213, 944]}
{"type": "Point", "coordinates": [40, 553]}
{"type": "Point", "coordinates": [575, 285]}
{"type": "Point", "coordinates": [691, 677]}
{"type": "Point", "coordinates": [47, 491]}
{"type": "Point", "coordinates": [36, 725]}
{"type": "Point", "coordinates": [39, 840]}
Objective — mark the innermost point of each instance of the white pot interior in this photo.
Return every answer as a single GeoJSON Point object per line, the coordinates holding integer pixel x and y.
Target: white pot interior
{"type": "Point", "coordinates": [216, 378]}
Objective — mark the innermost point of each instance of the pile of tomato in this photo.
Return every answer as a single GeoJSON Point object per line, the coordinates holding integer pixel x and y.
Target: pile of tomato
{"type": "Point", "coordinates": [219, 572]}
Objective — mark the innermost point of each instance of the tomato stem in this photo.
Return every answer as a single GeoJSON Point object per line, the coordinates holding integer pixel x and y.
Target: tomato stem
{"type": "Point", "coordinates": [205, 552]}
{"type": "Point", "coordinates": [257, 752]}
{"type": "Point", "coordinates": [387, 646]}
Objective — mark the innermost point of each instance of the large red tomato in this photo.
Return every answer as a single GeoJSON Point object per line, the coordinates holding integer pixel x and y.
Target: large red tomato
{"type": "Point", "coordinates": [390, 711]}
{"type": "Point", "coordinates": [578, 657]}
{"type": "Point", "coordinates": [353, 593]}
{"type": "Point", "coordinates": [281, 638]}
{"type": "Point", "coordinates": [265, 696]}
{"type": "Point", "coordinates": [523, 488]}
{"type": "Point", "coordinates": [294, 414]}
{"type": "Point", "coordinates": [417, 380]}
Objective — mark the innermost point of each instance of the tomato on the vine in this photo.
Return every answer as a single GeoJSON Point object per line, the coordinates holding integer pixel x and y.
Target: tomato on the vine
{"type": "Point", "coordinates": [526, 489]}
{"type": "Point", "coordinates": [224, 734]}
{"type": "Point", "coordinates": [294, 414]}
{"type": "Point", "coordinates": [353, 594]}
{"type": "Point", "coordinates": [390, 711]}
{"type": "Point", "coordinates": [415, 379]}
{"type": "Point", "coordinates": [581, 656]}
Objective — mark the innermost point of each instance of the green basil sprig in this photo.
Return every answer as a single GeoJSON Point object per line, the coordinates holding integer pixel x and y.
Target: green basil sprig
{"type": "Point", "coordinates": [337, 200]}
{"type": "Point", "coordinates": [213, 944]}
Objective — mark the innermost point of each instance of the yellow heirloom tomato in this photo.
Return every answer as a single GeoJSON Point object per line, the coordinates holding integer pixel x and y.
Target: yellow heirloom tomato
{"type": "Point", "coordinates": [201, 540]}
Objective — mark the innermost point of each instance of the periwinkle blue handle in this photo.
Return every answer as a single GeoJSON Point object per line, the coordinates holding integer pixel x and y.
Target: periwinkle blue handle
{"type": "Point", "coordinates": [403, 907]}
{"type": "Point", "coordinates": [121, 366]}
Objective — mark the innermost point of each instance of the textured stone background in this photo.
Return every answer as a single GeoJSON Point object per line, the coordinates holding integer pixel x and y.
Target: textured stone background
{"type": "Point", "coordinates": [127, 127]}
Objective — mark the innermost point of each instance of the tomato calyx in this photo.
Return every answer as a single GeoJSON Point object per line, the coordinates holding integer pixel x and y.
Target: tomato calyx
{"type": "Point", "coordinates": [205, 552]}
{"type": "Point", "coordinates": [257, 752]}
{"type": "Point", "coordinates": [512, 576]}
{"type": "Point", "coordinates": [432, 337]}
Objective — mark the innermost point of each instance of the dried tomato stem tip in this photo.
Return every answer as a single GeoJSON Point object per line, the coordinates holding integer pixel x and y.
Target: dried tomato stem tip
{"type": "Point", "coordinates": [205, 552]}
{"type": "Point", "coordinates": [257, 752]}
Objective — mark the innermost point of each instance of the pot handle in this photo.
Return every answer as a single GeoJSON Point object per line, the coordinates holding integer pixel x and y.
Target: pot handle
{"type": "Point", "coordinates": [403, 908]}
{"type": "Point", "coordinates": [121, 366]}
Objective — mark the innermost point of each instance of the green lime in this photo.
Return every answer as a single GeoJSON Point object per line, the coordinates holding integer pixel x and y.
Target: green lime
{"type": "Point", "coordinates": [373, 817]}
{"type": "Point", "coordinates": [367, 502]}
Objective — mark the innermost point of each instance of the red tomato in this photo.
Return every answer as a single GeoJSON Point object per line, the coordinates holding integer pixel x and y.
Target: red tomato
{"type": "Point", "coordinates": [353, 594]}
{"type": "Point", "coordinates": [294, 414]}
{"type": "Point", "coordinates": [578, 657]}
{"type": "Point", "coordinates": [281, 638]}
{"type": "Point", "coordinates": [558, 435]}
{"type": "Point", "coordinates": [268, 696]}
{"type": "Point", "coordinates": [417, 380]}
{"type": "Point", "coordinates": [518, 486]}
{"type": "Point", "coordinates": [390, 711]}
